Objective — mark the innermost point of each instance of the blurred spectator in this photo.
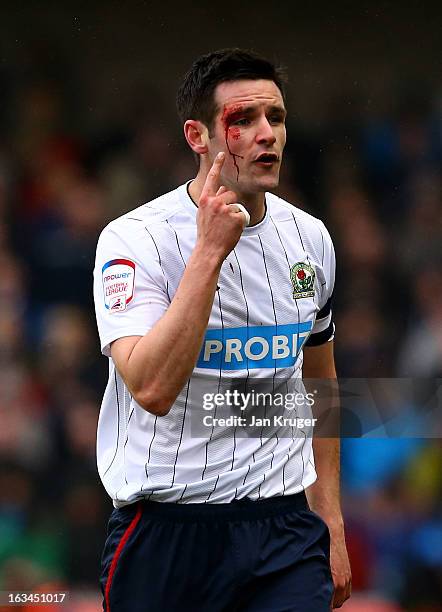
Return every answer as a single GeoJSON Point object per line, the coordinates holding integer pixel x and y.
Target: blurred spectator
{"type": "Point", "coordinates": [67, 351]}
{"type": "Point", "coordinates": [420, 354]}
{"type": "Point", "coordinates": [61, 253]}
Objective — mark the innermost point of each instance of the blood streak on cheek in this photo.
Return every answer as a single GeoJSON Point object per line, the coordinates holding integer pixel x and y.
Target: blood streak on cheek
{"type": "Point", "coordinates": [230, 115]}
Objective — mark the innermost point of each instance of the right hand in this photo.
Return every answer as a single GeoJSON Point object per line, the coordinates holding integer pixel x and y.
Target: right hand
{"type": "Point", "coordinates": [219, 225]}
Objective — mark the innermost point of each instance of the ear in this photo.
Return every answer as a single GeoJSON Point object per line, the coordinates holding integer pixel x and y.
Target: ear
{"type": "Point", "coordinates": [197, 136]}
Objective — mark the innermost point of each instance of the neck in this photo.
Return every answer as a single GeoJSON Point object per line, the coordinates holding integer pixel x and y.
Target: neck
{"type": "Point", "coordinates": [254, 202]}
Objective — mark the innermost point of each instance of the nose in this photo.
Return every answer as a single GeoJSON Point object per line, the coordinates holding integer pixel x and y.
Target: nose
{"type": "Point", "coordinates": [265, 133]}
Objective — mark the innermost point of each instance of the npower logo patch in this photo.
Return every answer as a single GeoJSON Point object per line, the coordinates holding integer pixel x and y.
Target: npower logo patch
{"type": "Point", "coordinates": [239, 348]}
{"type": "Point", "coordinates": [118, 284]}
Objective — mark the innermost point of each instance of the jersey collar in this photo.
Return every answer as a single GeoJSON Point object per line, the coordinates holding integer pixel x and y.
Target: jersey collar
{"type": "Point", "coordinates": [191, 207]}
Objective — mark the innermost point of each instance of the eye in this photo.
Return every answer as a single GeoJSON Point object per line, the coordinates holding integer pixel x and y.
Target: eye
{"type": "Point", "coordinates": [240, 122]}
{"type": "Point", "coordinates": [276, 119]}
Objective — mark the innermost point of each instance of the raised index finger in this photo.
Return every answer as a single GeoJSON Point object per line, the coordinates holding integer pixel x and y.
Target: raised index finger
{"type": "Point", "coordinates": [212, 182]}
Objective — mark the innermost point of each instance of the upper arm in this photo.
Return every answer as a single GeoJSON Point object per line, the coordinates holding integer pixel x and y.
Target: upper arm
{"type": "Point", "coordinates": [319, 361]}
{"type": "Point", "coordinates": [129, 288]}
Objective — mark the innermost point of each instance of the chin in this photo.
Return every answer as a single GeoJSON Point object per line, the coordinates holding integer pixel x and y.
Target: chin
{"type": "Point", "coordinates": [269, 183]}
{"type": "Point", "coordinates": [257, 185]}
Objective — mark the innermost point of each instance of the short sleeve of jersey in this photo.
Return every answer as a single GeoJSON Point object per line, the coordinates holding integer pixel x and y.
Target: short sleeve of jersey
{"type": "Point", "coordinates": [324, 328]}
{"type": "Point", "coordinates": [130, 292]}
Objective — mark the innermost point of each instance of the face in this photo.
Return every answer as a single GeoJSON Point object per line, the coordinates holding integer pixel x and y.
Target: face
{"type": "Point", "coordinates": [249, 126]}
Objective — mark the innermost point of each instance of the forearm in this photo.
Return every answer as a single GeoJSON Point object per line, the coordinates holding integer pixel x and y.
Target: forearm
{"type": "Point", "coordinates": [162, 361]}
{"type": "Point", "coordinates": [319, 375]}
{"type": "Point", "coordinates": [156, 366]}
{"type": "Point", "coordinates": [324, 495]}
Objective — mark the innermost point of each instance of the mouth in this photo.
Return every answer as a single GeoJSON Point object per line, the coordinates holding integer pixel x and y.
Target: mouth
{"type": "Point", "coordinates": [266, 159]}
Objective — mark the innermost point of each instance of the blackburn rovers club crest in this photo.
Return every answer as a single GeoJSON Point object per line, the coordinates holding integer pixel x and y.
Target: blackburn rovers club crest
{"type": "Point", "coordinates": [302, 276]}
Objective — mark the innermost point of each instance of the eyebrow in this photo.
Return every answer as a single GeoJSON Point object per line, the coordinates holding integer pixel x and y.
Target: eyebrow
{"type": "Point", "coordinates": [278, 109]}
{"type": "Point", "coordinates": [249, 110]}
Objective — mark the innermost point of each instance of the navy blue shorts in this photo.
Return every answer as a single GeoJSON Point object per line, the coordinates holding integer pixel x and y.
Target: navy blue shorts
{"type": "Point", "coordinates": [256, 556]}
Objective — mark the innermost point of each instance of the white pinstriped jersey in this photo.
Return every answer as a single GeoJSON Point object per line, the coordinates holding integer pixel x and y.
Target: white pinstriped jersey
{"type": "Point", "coordinates": [261, 318]}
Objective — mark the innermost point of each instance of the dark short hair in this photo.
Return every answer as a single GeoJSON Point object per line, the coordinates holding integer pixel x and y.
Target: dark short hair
{"type": "Point", "coordinates": [195, 96]}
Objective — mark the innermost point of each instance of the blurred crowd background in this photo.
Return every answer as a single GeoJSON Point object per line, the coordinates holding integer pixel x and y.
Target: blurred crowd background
{"type": "Point", "coordinates": [88, 131]}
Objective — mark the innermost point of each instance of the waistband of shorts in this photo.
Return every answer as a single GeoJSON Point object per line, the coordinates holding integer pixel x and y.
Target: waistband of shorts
{"type": "Point", "coordinates": [238, 509]}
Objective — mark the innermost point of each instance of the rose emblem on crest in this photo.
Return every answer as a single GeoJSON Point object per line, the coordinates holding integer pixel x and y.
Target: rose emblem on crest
{"type": "Point", "coordinates": [302, 276]}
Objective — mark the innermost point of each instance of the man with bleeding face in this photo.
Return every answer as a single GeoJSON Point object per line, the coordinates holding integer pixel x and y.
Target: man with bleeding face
{"type": "Point", "coordinates": [249, 127]}
{"type": "Point", "coordinates": [209, 518]}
